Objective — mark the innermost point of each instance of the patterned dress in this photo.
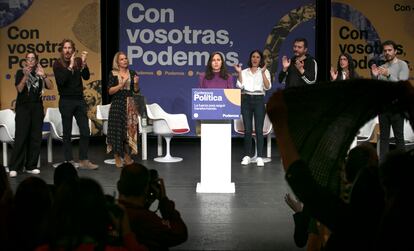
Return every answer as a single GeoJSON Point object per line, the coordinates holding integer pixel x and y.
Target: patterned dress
{"type": "Point", "coordinates": [123, 117]}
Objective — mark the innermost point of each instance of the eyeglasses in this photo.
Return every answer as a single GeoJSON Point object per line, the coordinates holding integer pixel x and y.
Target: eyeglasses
{"type": "Point", "coordinates": [30, 59]}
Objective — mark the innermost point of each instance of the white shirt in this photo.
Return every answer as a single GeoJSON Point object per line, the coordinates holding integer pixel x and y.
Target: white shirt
{"type": "Point", "coordinates": [253, 82]}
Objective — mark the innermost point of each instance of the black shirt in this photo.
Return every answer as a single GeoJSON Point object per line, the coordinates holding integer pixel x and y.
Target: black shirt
{"type": "Point", "coordinates": [32, 91]}
{"type": "Point", "coordinates": [69, 82]}
{"type": "Point", "coordinates": [292, 77]}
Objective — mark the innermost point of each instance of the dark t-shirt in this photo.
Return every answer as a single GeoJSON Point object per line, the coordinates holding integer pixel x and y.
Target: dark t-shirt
{"type": "Point", "coordinates": [32, 91]}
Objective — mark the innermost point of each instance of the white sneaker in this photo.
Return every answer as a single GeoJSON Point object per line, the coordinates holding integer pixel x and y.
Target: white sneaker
{"type": "Point", "coordinates": [259, 161]}
{"type": "Point", "coordinates": [245, 160]}
{"type": "Point", "coordinates": [12, 174]}
{"type": "Point", "coordinates": [74, 163]}
{"type": "Point", "coordinates": [34, 171]}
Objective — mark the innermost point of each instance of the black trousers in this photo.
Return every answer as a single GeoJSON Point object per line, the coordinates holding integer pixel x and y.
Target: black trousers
{"type": "Point", "coordinates": [252, 106]}
{"type": "Point", "coordinates": [28, 136]}
{"type": "Point", "coordinates": [386, 120]}
{"type": "Point", "coordinates": [70, 108]}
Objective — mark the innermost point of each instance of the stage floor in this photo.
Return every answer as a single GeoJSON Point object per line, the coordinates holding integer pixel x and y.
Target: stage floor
{"type": "Point", "coordinates": [254, 218]}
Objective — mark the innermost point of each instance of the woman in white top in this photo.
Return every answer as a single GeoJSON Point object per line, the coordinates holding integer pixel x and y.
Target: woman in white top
{"type": "Point", "coordinates": [253, 81]}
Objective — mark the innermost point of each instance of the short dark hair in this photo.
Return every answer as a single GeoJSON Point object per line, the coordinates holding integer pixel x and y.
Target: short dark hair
{"type": "Point", "coordinates": [134, 180]}
{"type": "Point", "coordinates": [389, 42]}
{"type": "Point", "coordinates": [359, 158]}
{"type": "Point", "coordinates": [302, 39]}
{"type": "Point", "coordinates": [65, 172]}
{"type": "Point", "coordinates": [262, 63]}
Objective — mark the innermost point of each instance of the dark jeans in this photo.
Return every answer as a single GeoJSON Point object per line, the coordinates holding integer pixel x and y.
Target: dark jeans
{"type": "Point", "coordinates": [386, 120]}
{"type": "Point", "coordinates": [69, 108]}
{"type": "Point", "coordinates": [252, 106]}
{"type": "Point", "coordinates": [28, 139]}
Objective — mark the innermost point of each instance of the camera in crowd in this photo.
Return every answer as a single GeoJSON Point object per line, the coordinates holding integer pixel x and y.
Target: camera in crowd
{"type": "Point", "coordinates": [114, 232]}
{"type": "Point", "coordinates": [154, 190]}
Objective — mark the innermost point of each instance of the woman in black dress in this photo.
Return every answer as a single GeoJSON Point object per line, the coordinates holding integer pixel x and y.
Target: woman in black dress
{"type": "Point", "coordinates": [122, 138]}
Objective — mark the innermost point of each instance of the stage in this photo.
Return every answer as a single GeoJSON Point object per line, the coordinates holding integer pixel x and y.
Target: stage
{"type": "Point", "coordinates": [255, 217]}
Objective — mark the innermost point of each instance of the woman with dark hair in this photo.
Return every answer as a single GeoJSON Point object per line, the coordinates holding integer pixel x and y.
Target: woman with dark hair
{"type": "Point", "coordinates": [123, 116]}
{"type": "Point", "coordinates": [254, 82]}
{"type": "Point", "coordinates": [345, 68]}
{"type": "Point", "coordinates": [216, 74]}
{"type": "Point", "coordinates": [29, 115]}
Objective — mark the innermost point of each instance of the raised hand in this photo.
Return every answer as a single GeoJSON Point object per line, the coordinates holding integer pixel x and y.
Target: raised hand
{"type": "Point", "coordinates": [237, 68]}
{"type": "Point", "coordinates": [285, 63]}
{"type": "Point", "coordinates": [264, 68]}
{"type": "Point", "coordinates": [72, 59]}
{"type": "Point", "coordinates": [375, 70]}
{"type": "Point", "coordinates": [383, 71]}
{"type": "Point", "coordinates": [40, 71]}
{"type": "Point", "coordinates": [84, 55]}
{"type": "Point", "coordinates": [122, 82]}
{"type": "Point", "coordinates": [27, 69]}
{"type": "Point", "coordinates": [299, 64]}
{"type": "Point", "coordinates": [334, 73]}
{"type": "Point", "coordinates": [136, 79]}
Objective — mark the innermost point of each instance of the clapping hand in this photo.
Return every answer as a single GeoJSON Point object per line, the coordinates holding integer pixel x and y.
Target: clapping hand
{"type": "Point", "coordinates": [122, 82]}
{"type": "Point", "coordinates": [40, 71]}
{"type": "Point", "coordinates": [334, 73]}
{"type": "Point", "coordinates": [72, 59]}
{"type": "Point", "coordinates": [383, 71]}
{"type": "Point", "coordinates": [237, 68]}
{"type": "Point", "coordinates": [136, 79]}
{"type": "Point", "coordinates": [264, 68]}
{"type": "Point", "coordinates": [285, 63]}
{"type": "Point", "coordinates": [375, 70]}
{"type": "Point", "coordinates": [26, 69]}
{"type": "Point", "coordinates": [84, 55]}
{"type": "Point", "coordinates": [300, 64]}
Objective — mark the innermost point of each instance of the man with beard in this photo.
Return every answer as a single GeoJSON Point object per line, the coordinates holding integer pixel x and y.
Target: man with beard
{"type": "Point", "coordinates": [69, 72]}
{"type": "Point", "coordinates": [301, 69]}
{"type": "Point", "coordinates": [393, 70]}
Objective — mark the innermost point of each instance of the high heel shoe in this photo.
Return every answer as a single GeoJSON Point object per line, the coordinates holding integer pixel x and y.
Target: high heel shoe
{"type": "Point", "coordinates": [118, 162]}
{"type": "Point", "coordinates": [128, 160]}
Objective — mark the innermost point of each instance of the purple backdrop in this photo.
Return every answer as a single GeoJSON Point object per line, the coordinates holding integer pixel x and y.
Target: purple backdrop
{"type": "Point", "coordinates": [168, 41]}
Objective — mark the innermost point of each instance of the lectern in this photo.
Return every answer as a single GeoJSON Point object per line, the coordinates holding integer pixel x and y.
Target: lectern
{"type": "Point", "coordinates": [215, 108]}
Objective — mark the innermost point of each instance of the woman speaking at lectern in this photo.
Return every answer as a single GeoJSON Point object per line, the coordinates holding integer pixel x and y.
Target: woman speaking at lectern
{"type": "Point", "coordinates": [216, 75]}
{"type": "Point", "coordinates": [254, 82]}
